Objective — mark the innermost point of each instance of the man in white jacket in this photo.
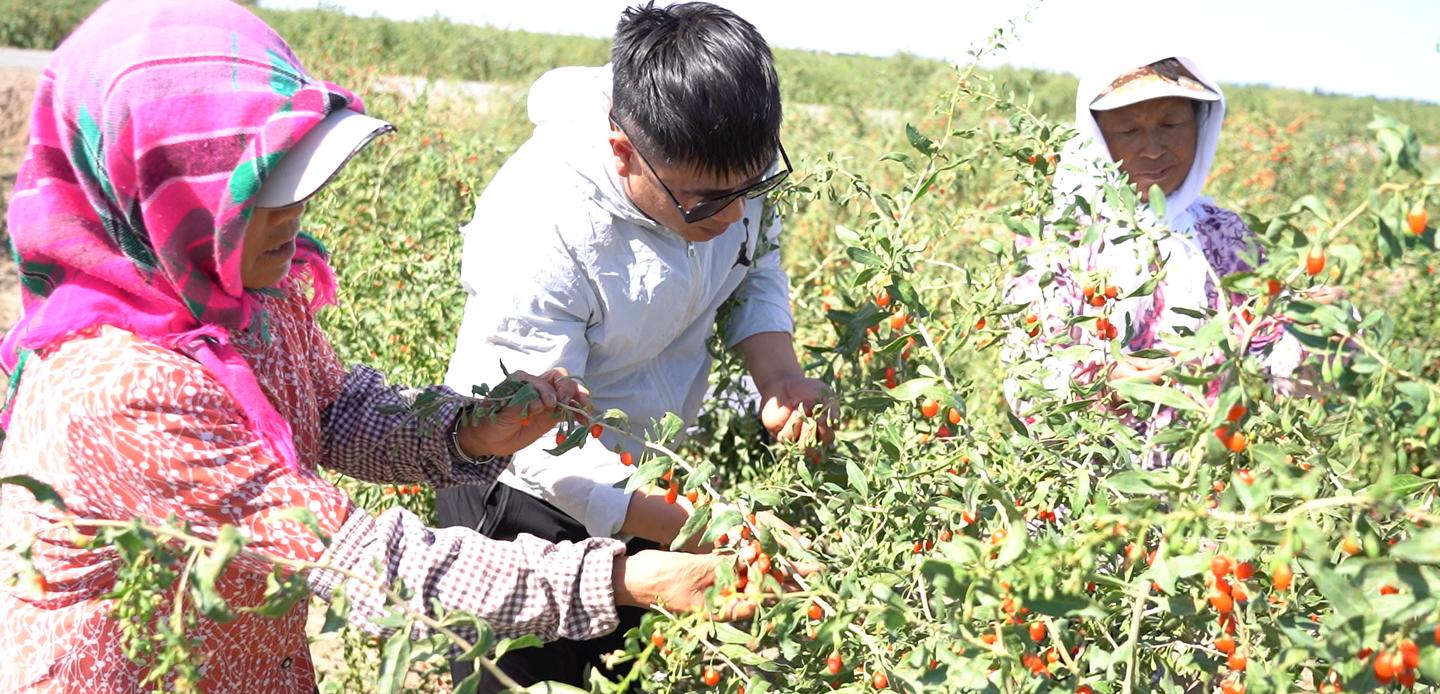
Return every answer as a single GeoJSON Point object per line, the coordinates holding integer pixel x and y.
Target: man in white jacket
{"type": "Point", "coordinates": [604, 246]}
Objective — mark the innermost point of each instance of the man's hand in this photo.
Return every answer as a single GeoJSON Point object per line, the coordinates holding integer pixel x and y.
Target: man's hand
{"type": "Point", "coordinates": [784, 407]}
{"type": "Point", "coordinates": [1136, 368]}
{"type": "Point", "coordinates": [514, 427]}
{"type": "Point", "coordinates": [786, 395]}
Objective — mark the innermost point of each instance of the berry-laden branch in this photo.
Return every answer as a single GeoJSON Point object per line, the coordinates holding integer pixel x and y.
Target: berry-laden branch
{"type": "Point", "coordinates": [196, 543]}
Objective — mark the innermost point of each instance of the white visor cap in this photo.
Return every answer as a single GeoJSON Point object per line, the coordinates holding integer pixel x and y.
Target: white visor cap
{"type": "Point", "coordinates": [315, 160]}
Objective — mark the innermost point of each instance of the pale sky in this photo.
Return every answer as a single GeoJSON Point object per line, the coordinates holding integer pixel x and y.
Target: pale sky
{"type": "Point", "coordinates": [1369, 47]}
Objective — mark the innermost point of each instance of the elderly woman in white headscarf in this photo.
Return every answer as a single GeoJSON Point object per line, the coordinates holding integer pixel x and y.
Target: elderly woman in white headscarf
{"type": "Point", "coordinates": [1158, 119]}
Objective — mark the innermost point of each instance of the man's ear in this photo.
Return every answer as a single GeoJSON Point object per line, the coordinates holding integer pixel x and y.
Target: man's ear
{"type": "Point", "coordinates": [624, 153]}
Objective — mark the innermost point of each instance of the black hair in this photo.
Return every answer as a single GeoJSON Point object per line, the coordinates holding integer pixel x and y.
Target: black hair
{"type": "Point", "coordinates": [695, 85]}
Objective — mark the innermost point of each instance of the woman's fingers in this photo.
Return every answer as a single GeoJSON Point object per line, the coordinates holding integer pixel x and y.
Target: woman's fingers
{"type": "Point", "coordinates": [574, 392]}
{"type": "Point", "coordinates": [553, 388]}
{"type": "Point", "coordinates": [794, 426]}
{"type": "Point", "coordinates": [772, 521]}
{"type": "Point", "coordinates": [807, 568]}
{"type": "Point", "coordinates": [568, 389]}
{"type": "Point", "coordinates": [544, 388]}
{"type": "Point", "coordinates": [1140, 368]}
{"type": "Point", "coordinates": [737, 607]}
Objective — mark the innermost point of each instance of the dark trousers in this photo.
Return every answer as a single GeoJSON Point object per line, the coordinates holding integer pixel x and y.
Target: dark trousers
{"type": "Point", "coordinates": [502, 513]}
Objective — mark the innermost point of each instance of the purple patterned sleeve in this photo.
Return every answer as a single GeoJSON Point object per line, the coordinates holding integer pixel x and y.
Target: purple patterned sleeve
{"type": "Point", "coordinates": [1230, 246]}
{"type": "Point", "coordinates": [526, 586]}
{"type": "Point", "coordinates": [371, 433]}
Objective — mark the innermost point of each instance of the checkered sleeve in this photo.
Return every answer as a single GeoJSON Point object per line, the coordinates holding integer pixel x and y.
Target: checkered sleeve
{"type": "Point", "coordinates": [372, 432]}
{"type": "Point", "coordinates": [527, 586]}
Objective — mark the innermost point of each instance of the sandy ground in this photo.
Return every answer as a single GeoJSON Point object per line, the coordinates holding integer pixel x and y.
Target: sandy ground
{"type": "Point", "coordinates": [17, 88]}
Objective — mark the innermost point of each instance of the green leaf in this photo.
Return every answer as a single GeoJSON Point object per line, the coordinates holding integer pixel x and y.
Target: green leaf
{"type": "Point", "coordinates": [1157, 201]}
{"type": "Point", "coordinates": [575, 437]}
{"type": "Point", "coordinates": [281, 594]}
{"type": "Point", "coordinates": [1018, 425]}
{"type": "Point", "coordinates": [669, 428]}
{"type": "Point", "coordinates": [727, 633]}
{"type": "Point", "coordinates": [1405, 485]}
{"type": "Point", "coordinates": [907, 292]}
{"type": "Point", "coordinates": [857, 478]}
{"type": "Point", "coordinates": [1430, 663]}
{"type": "Point", "coordinates": [1193, 313]}
{"type": "Point", "coordinates": [1345, 598]}
{"type": "Point", "coordinates": [1387, 238]}
{"type": "Point", "coordinates": [924, 187]}
{"type": "Point", "coordinates": [208, 570]}
{"type": "Point", "coordinates": [1314, 205]}
{"type": "Point", "coordinates": [913, 388]}
{"type": "Point", "coordinates": [1014, 544]}
{"type": "Point", "coordinates": [337, 612]}
{"type": "Point", "coordinates": [769, 498]}
{"type": "Point", "coordinates": [1417, 395]}
{"type": "Point", "coordinates": [42, 492]}
{"type": "Point", "coordinates": [694, 523]}
{"type": "Point", "coordinates": [469, 685]}
{"type": "Point", "coordinates": [1168, 570]}
{"type": "Point", "coordinates": [1066, 606]}
{"type": "Point", "coordinates": [885, 203]}
{"type": "Point", "coordinates": [722, 524]}
{"type": "Point", "coordinates": [919, 141]}
{"type": "Point", "coordinates": [1140, 482]}
{"type": "Point", "coordinates": [1267, 455]}
{"type": "Point", "coordinates": [1422, 547]}
{"type": "Point", "coordinates": [556, 688]}
{"type": "Point", "coordinates": [616, 417]}
{"type": "Point", "coordinates": [901, 157]}
{"type": "Point", "coordinates": [847, 235]}
{"type": "Point", "coordinates": [696, 480]}
{"type": "Point", "coordinates": [649, 471]}
{"type": "Point", "coordinates": [395, 663]}
{"type": "Point", "coordinates": [1169, 396]}
{"type": "Point", "coordinates": [1152, 354]}
{"type": "Point", "coordinates": [515, 644]}
{"type": "Point", "coordinates": [484, 638]}
{"type": "Point", "coordinates": [864, 257]}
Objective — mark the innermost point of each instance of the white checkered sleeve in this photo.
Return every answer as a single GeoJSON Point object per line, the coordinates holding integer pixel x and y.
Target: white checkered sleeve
{"type": "Point", "coordinates": [528, 586]}
{"type": "Point", "coordinates": [372, 433]}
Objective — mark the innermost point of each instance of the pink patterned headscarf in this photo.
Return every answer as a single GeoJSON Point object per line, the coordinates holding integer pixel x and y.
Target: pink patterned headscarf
{"type": "Point", "coordinates": [153, 128]}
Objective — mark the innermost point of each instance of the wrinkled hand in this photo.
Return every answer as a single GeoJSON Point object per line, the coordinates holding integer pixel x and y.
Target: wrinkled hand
{"type": "Point", "coordinates": [515, 427]}
{"type": "Point", "coordinates": [1137, 368]}
{"type": "Point", "coordinates": [763, 519]}
{"type": "Point", "coordinates": [678, 581]}
{"type": "Point", "coordinates": [784, 408]}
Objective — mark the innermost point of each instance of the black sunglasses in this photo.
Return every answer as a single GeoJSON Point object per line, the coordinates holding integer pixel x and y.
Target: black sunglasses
{"type": "Point", "coordinates": [706, 209]}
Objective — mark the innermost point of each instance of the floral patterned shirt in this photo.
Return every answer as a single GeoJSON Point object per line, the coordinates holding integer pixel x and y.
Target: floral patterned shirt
{"type": "Point", "coordinates": [1218, 244]}
{"type": "Point", "coordinates": [123, 429]}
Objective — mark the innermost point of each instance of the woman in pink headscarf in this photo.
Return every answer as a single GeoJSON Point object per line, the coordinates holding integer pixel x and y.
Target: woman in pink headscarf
{"type": "Point", "coordinates": [168, 365]}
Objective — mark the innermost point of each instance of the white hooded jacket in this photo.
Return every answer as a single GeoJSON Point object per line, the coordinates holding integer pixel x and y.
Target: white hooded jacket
{"type": "Point", "coordinates": [1080, 173]}
{"type": "Point", "coordinates": [561, 269]}
{"type": "Point", "coordinates": [1075, 173]}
